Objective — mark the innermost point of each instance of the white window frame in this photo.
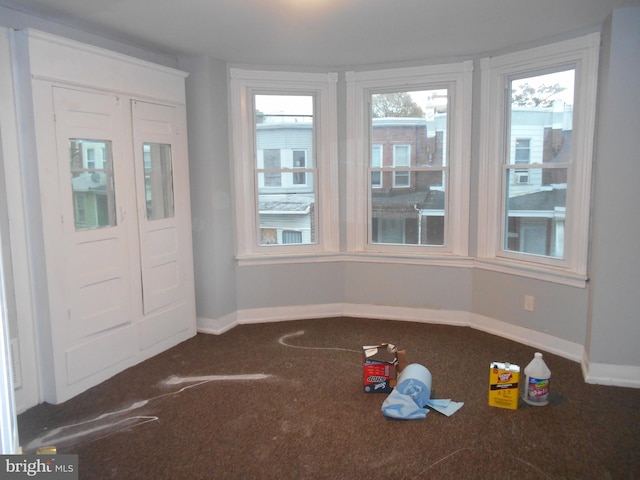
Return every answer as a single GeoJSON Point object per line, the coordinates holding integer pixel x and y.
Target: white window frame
{"type": "Point", "coordinates": [457, 78]}
{"type": "Point", "coordinates": [323, 86]}
{"type": "Point", "coordinates": [582, 54]}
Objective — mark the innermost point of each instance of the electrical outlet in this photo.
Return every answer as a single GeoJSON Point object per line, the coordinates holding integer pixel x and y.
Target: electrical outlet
{"type": "Point", "coordinates": [529, 303]}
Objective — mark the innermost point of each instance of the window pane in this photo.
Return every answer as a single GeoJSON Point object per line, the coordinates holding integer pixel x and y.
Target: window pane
{"type": "Point", "coordinates": [158, 180]}
{"type": "Point", "coordinates": [536, 219]}
{"type": "Point", "coordinates": [410, 217]}
{"type": "Point", "coordinates": [285, 169]}
{"type": "Point", "coordinates": [401, 155]}
{"type": "Point", "coordinates": [408, 167]}
{"type": "Point", "coordinates": [91, 163]}
{"type": "Point", "coordinates": [540, 128]}
{"type": "Point", "coordinates": [541, 118]}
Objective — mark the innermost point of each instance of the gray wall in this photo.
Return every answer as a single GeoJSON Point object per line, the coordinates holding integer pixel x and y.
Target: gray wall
{"type": "Point", "coordinates": [405, 285]}
{"type": "Point", "coordinates": [211, 191]}
{"type": "Point", "coordinates": [269, 286]}
{"type": "Point", "coordinates": [560, 310]}
{"type": "Point", "coordinates": [614, 302]}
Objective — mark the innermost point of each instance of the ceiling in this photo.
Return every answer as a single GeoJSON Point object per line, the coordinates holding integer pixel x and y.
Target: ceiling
{"type": "Point", "coordinates": [325, 33]}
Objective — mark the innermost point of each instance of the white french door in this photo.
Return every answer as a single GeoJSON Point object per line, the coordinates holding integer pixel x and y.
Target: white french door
{"type": "Point", "coordinates": [94, 201]}
{"type": "Point", "coordinates": [164, 223]}
{"type": "Point", "coordinates": [154, 138]}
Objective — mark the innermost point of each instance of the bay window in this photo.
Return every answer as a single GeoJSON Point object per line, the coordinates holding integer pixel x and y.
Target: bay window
{"type": "Point", "coordinates": [406, 193]}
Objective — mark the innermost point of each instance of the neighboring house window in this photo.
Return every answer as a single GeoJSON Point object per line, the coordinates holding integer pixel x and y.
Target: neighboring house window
{"type": "Point", "coordinates": [268, 236]}
{"type": "Point", "coordinates": [282, 168]}
{"type": "Point", "coordinates": [299, 162]}
{"type": "Point", "coordinates": [522, 157]}
{"type": "Point", "coordinates": [271, 162]}
{"type": "Point", "coordinates": [401, 164]}
{"type": "Point", "coordinates": [409, 159]}
{"type": "Point", "coordinates": [285, 162]}
{"type": "Point", "coordinates": [91, 158]}
{"type": "Point", "coordinates": [539, 215]}
{"type": "Point", "coordinates": [291, 236]}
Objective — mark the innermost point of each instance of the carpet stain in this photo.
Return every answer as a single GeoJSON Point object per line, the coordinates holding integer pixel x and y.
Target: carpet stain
{"type": "Point", "coordinates": [214, 378]}
{"type": "Point", "coordinates": [283, 341]}
{"type": "Point", "coordinates": [112, 422]}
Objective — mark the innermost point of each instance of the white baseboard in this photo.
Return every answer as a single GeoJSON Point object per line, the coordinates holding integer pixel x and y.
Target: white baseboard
{"type": "Point", "coordinates": [607, 374]}
{"type": "Point", "coordinates": [217, 326]}
{"type": "Point", "coordinates": [526, 336]}
{"type": "Point", "coordinates": [549, 343]}
{"type": "Point", "coordinates": [624, 376]}
{"type": "Point", "coordinates": [267, 315]}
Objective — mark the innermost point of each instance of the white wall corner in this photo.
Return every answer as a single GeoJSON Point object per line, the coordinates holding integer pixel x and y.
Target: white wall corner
{"type": "Point", "coordinates": [216, 326]}
{"type": "Point", "coordinates": [608, 374]}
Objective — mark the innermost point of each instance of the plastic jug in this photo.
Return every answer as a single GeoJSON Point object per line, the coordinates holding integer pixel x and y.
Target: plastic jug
{"type": "Point", "coordinates": [536, 388]}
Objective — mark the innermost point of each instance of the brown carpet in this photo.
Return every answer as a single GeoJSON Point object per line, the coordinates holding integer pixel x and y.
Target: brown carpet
{"type": "Point", "coordinates": [309, 419]}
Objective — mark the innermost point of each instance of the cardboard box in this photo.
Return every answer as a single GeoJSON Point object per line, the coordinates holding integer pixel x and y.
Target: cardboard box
{"type": "Point", "coordinates": [504, 380]}
{"type": "Point", "coordinates": [380, 367]}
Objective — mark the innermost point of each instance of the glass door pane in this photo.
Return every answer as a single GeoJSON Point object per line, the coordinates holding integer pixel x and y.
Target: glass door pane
{"type": "Point", "coordinates": [158, 180]}
{"type": "Point", "coordinates": [91, 163]}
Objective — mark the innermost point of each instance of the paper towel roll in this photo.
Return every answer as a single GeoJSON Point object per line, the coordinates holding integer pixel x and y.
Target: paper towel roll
{"type": "Point", "coordinates": [415, 381]}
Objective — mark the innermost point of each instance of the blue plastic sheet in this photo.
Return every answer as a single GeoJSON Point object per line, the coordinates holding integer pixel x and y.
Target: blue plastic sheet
{"type": "Point", "coordinates": [411, 395]}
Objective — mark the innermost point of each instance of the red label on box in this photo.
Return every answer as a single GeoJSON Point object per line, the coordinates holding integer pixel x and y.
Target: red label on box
{"type": "Point", "coordinates": [380, 372]}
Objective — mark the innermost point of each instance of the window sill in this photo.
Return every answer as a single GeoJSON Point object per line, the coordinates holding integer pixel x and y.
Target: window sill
{"type": "Point", "coordinates": [365, 257]}
{"type": "Point", "coordinates": [441, 260]}
{"type": "Point", "coordinates": [528, 270]}
{"type": "Point", "coordinates": [509, 267]}
{"type": "Point", "coordinates": [281, 258]}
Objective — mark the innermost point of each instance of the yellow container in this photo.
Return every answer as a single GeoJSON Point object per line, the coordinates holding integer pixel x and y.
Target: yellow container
{"type": "Point", "coordinates": [503, 385]}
